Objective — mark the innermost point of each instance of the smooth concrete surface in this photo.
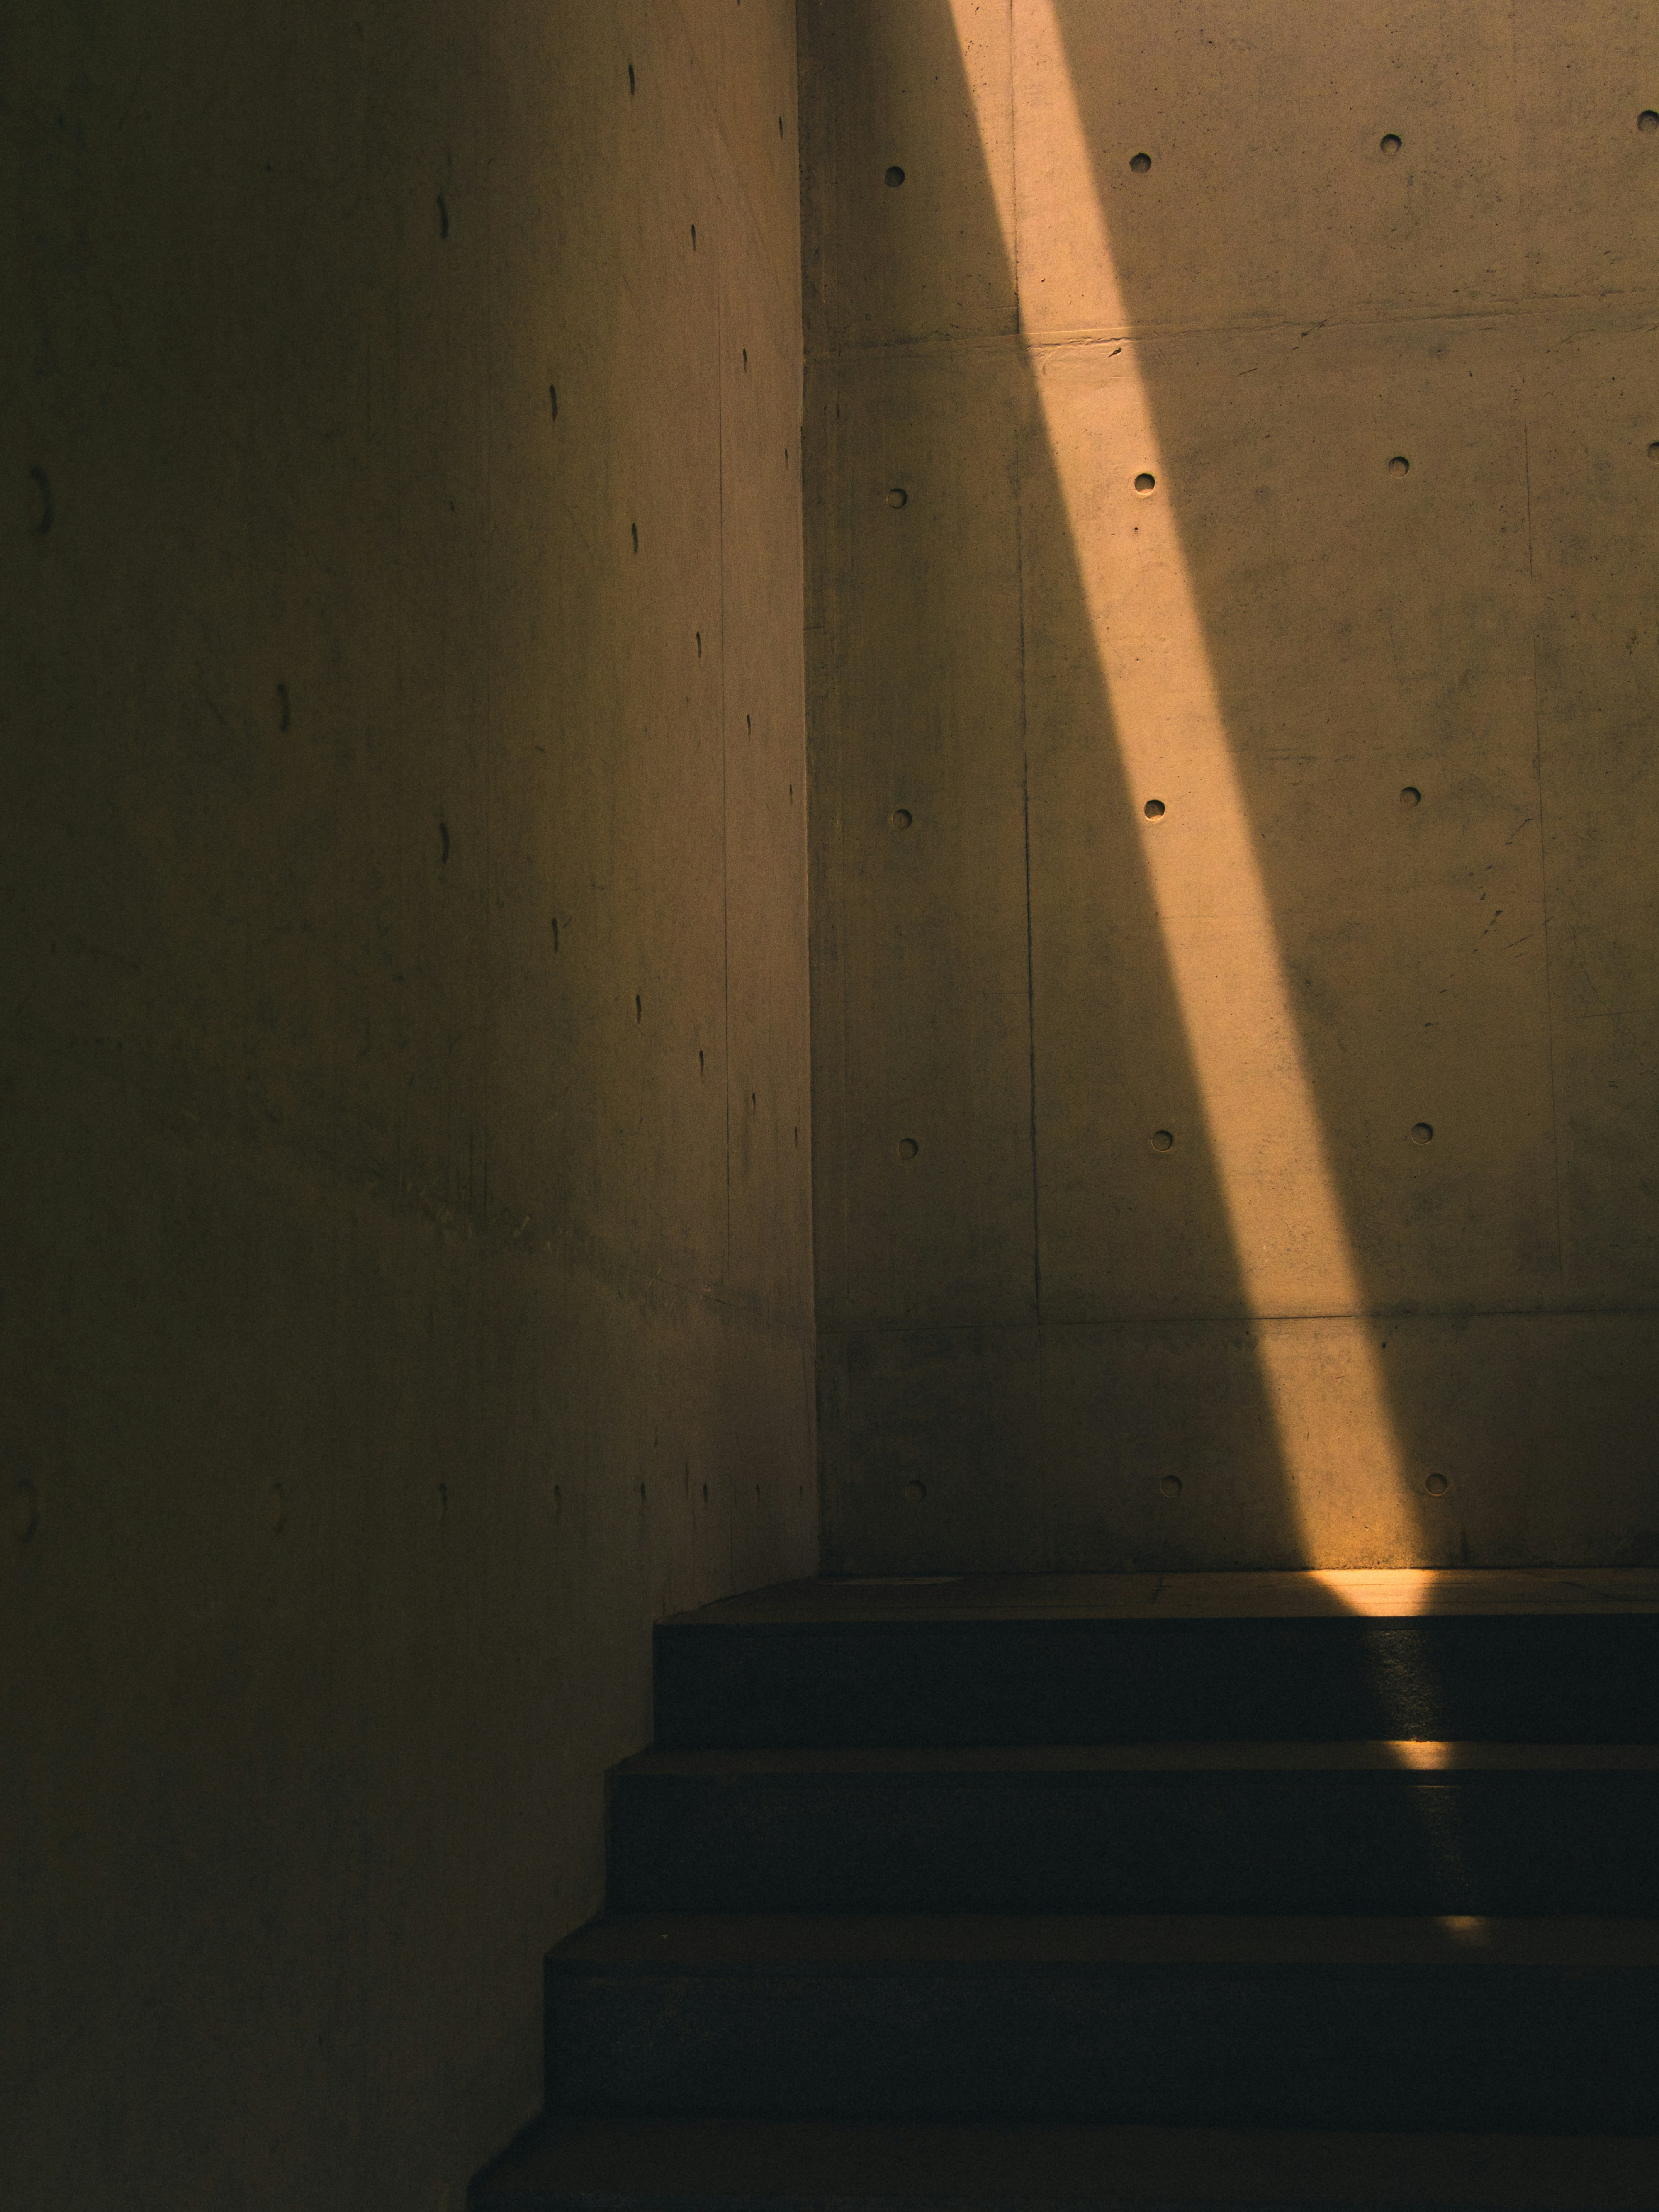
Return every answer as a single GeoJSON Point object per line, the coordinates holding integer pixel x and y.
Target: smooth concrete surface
{"type": "Point", "coordinates": [633, 2166]}
{"type": "Point", "coordinates": [406, 1261]}
{"type": "Point", "coordinates": [1245, 413]}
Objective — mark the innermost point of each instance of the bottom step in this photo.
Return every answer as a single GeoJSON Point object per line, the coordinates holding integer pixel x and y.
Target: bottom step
{"type": "Point", "coordinates": [791, 2166]}
{"type": "Point", "coordinates": [1489, 2025]}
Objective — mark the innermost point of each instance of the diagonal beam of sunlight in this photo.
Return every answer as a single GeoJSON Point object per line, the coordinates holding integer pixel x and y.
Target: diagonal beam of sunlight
{"type": "Point", "coordinates": [1337, 1437]}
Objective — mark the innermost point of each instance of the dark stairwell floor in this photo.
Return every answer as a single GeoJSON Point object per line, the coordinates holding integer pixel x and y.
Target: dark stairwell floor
{"type": "Point", "coordinates": [1219, 1890]}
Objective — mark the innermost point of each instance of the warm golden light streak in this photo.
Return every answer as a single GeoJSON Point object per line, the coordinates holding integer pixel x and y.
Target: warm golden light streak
{"type": "Point", "coordinates": [1335, 1432]}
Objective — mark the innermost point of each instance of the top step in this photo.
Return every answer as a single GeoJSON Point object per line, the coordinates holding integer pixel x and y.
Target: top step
{"type": "Point", "coordinates": [1515, 1656]}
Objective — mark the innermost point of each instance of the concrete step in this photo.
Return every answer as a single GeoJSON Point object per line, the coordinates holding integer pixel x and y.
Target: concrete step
{"type": "Point", "coordinates": [1495, 2026]}
{"type": "Point", "coordinates": [794, 2166]}
{"type": "Point", "coordinates": [1492, 1657]}
{"type": "Point", "coordinates": [1221, 1828]}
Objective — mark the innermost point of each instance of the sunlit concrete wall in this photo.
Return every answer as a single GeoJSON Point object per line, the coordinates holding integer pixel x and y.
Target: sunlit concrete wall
{"type": "Point", "coordinates": [405, 1260]}
{"type": "Point", "coordinates": [1235, 908]}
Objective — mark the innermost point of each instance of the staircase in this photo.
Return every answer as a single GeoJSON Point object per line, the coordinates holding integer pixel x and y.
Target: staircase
{"type": "Point", "coordinates": [1187, 1891]}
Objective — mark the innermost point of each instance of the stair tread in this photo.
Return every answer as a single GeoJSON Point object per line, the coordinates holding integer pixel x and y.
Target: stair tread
{"type": "Point", "coordinates": [716, 1941]}
{"type": "Point", "coordinates": [1412, 1758]}
{"type": "Point", "coordinates": [792, 2163]}
{"type": "Point", "coordinates": [1380, 1593]}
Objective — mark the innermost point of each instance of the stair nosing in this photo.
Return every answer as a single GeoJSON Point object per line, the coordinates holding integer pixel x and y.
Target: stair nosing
{"type": "Point", "coordinates": [1398, 1597]}
{"type": "Point", "coordinates": [1405, 1759]}
{"type": "Point", "coordinates": [851, 1942]}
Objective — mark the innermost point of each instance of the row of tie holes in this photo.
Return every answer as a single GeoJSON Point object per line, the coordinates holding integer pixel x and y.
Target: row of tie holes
{"type": "Point", "coordinates": [1390, 143]}
{"type": "Point", "coordinates": [1163, 1141]}
{"type": "Point", "coordinates": [1435, 1485]}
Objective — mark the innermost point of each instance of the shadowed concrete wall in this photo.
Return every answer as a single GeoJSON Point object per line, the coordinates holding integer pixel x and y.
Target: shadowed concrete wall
{"type": "Point", "coordinates": [1272, 1175]}
{"type": "Point", "coordinates": [406, 1256]}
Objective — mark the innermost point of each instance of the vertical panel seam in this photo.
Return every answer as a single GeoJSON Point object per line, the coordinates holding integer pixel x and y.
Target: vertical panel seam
{"type": "Point", "coordinates": [1543, 868]}
{"type": "Point", "coordinates": [1025, 783]}
{"type": "Point", "coordinates": [1024, 752]}
{"type": "Point", "coordinates": [726, 805]}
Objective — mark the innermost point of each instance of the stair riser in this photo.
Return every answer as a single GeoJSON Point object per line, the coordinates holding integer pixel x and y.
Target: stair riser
{"type": "Point", "coordinates": [1576, 1679]}
{"type": "Point", "coordinates": [1560, 1843]}
{"type": "Point", "coordinates": [1499, 2048]}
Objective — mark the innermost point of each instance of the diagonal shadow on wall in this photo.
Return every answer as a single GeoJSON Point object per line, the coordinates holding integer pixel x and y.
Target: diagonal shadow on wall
{"type": "Point", "coordinates": [1037, 1342]}
{"type": "Point", "coordinates": [1339, 238]}
{"type": "Point", "coordinates": [1253, 1246]}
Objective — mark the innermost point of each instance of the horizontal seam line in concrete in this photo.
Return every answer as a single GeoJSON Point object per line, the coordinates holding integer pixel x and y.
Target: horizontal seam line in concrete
{"type": "Point", "coordinates": [1027, 340]}
{"type": "Point", "coordinates": [1393, 1314]}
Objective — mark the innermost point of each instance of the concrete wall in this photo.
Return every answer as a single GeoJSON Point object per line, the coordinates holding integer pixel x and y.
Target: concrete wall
{"type": "Point", "coordinates": [1275, 1177]}
{"type": "Point", "coordinates": [406, 1264]}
